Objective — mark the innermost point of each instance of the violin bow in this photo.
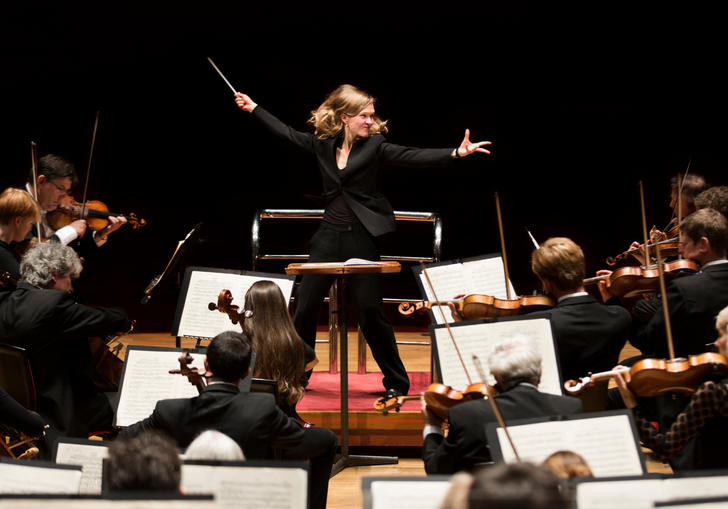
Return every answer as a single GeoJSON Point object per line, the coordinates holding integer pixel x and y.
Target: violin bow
{"type": "Point", "coordinates": [494, 406]}
{"type": "Point", "coordinates": [660, 272]}
{"type": "Point", "coordinates": [222, 75]}
{"type": "Point", "coordinates": [34, 169]}
{"type": "Point", "coordinates": [447, 325]}
{"type": "Point", "coordinates": [88, 167]}
{"type": "Point", "coordinates": [503, 246]}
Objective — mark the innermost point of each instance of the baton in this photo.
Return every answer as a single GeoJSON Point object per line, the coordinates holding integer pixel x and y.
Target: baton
{"type": "Point", "coordinates": [222, 75]}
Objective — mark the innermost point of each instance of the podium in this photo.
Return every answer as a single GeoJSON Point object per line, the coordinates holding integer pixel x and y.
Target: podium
{"type": "Point", "coordinates": [341, 270]}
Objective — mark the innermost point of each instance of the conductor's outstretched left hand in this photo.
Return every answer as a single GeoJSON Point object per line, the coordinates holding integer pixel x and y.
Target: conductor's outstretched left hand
{"type": "Point", "coordinates": [467, 147]}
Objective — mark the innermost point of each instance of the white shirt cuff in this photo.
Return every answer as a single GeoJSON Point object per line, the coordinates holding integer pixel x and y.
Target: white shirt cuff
{"type": "Point", "coordinates": [66, 235]}
{"type": "Point", "coordinates": [431, 428]}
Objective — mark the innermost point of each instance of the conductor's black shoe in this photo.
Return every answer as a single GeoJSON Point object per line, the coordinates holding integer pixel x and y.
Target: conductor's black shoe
{"type": "Point", "coordinates": [392, 393]}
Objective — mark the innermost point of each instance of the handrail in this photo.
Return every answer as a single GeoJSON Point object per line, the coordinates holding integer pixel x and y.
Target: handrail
{"type": "Point", "coordinates": [399, 215]}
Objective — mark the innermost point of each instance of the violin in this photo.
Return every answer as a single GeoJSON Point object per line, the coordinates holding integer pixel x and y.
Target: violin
{"type": "Point", "coordinates": [95, 213]}
{"type": "Point", "coordinates": [196, 378]}
{"type": "Point", "coordinates": [225, 305]}
{"type": "Point", "coordinates": [631, 281]}
{"type": "Point", "coordinates": [439, 398]}
{"type": "Point", "coordinates": [650, 377]}
{"type": "Point", "coordinates": [668, 247]}
{"type": "Point", "coordinates": [474, 307]}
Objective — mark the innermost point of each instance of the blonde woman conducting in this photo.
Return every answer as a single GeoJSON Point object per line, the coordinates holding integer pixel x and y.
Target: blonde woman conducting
{"type": "Point", "coordinates": [349, 147]}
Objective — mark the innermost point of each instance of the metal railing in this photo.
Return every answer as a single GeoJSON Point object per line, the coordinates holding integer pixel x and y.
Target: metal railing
{"type": "Point", "coordinates": [399, 215]}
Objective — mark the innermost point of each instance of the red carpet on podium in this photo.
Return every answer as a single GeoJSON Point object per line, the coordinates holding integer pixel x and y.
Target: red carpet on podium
{"type": "Point", "coordinates": [322, 393]}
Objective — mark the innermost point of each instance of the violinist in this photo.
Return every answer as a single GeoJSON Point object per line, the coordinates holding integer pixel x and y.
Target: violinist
{"type": "Point", "coordinates": [589, 336]}
{"type": "Point", "coordinates": [692, 186]}
{"type": "Point", "coordinates": [18, 212]}
{"type": "Point", "coordinates": [252, 419]}
{"type": "Point", "coordinates": [55, 178]}
{"type": "Point", "coordinates": [349, 148]}
{"type": "Point", "coordinates": [693, 300]}
{"type": "Point", "coordinates": [715, 197]}
{"type": "Point", "coordinates": [42, 316]}
{"type": "Point", "coordinates": [516, 365]}
{"type": "Point", "coordinates": [279, 351]}
{"type": "Point", "coordinates": [699, 432]}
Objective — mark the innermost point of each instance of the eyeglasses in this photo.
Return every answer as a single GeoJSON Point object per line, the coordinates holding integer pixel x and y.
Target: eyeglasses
{"type": "Point", "coordinates": [62, 189]}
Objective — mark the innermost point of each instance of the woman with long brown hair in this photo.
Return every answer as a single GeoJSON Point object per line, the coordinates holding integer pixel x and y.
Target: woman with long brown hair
{"type": "Point", "coordinates": [279, 351]}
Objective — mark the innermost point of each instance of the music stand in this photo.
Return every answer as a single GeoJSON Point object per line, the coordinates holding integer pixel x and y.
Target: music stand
{"type": "Point", "coordinates": [341, 270]}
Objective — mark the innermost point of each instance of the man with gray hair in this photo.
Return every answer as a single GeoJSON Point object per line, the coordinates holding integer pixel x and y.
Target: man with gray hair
{"type": "Point", "coordinates": [515, 363]}
{"type": "Point", "coordinates": [43, 317]}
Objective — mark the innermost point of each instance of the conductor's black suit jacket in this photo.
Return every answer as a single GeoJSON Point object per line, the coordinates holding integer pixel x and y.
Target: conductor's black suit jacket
{"type": "Point", "coordinates": [251, 419]}
{"type": "Point", "coordinates": [358, 181]}
{"type": "Point", "coordinates": [589, 336]}
{"type": "Point", "coordinates": [466, 444]}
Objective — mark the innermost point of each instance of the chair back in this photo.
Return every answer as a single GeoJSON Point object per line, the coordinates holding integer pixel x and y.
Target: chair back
{"type": "Point", "coordinates": [16, 376]}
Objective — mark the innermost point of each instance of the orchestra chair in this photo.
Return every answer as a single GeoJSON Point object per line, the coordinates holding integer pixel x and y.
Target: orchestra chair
{"type": "Point", "coordinates": [16, 378]}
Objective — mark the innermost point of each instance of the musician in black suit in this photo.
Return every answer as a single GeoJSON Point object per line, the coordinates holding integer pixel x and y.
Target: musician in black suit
{"type": "Point", "coordinates": [693, 301]}
{"type": "Point", "coordinates": [251, 419]}
{"type": "Point", "coordinates": [589, 336]}
{"type": "Point", "coordinates": [42, 316]}
{"type": "Point", "coordinates": [55, 178]}
{"type": "Point", "coordinates": [15, 415]}
{"type": "Point", "coordinates": [349, 147]}
{"type": "Point", "coordinates": [516, 365]}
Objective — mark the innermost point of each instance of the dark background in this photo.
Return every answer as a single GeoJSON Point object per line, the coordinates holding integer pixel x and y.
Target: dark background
{"type": "Point", "coordinates": [580, 102]}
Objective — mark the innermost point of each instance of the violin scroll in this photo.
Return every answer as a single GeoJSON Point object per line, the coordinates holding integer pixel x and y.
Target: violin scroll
{"type": "Point", "coordinates": [225, 305]}
{"type": "Point", "coordinates": [195, 377]}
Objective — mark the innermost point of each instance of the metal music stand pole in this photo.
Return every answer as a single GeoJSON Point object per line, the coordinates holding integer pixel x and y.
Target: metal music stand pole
{"type": "Point", "coordinates": [340, 270]}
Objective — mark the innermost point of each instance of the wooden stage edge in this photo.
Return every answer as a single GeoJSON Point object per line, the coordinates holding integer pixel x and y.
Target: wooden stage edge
{"type": "Point", "coordinates": [370, 428]}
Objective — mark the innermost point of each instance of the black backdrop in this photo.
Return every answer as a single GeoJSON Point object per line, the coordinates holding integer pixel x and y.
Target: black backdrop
{"type": "Point", "coordinates": [580, 103]}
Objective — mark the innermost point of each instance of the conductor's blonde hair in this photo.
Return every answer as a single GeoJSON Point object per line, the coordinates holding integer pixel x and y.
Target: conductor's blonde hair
{"type": "Point", "coordinates": [345, 100]}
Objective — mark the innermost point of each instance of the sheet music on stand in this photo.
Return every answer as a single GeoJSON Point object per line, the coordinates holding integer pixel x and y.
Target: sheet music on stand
{"type": "Point", "coordinates": [479, 336]}
{"type": "Point", "coordinates": [249, 484]}
{"type": "Point", "coordinates": [146, 379]}
{"type": "Point", "coordinates": [641, 492]}
{"type": "Point", "coordinates": [87, 454]}
{"type": "Point", "coordinates": [202, 285]}
{"type": "Point", "coordinates": [27, 477]}
{"type": "Point", "coordinates": [406, 492]}
{"type": "Point", "coordinates": [480, 275]}
{"type": "Point", "coordinates": [608, 441]}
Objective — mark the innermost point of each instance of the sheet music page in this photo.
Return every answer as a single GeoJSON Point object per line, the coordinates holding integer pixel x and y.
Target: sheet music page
{"type": "Point", "coordinates": [448, 281]}
{"type": "Point", "coordinates": [487, 276]}
{"type": "Point", "coordinates": [198, 321]}
{"type": "Point", "coordinates": [479, 339]}
{"type": "Point", "coordinates": [89, 458]}
{"type": "Point", "coordinates": [248, 487]}
{"type": "Point", "coordinates": [147, 380]}
{"type": "Point", "coordinates": [606, 443]}
{"type": "Point", "coordinates": [408, 494]}
{"type": "Point", "coordinates": [643, 493]}
{"type": "Point", "coordinates": [36, 479]}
